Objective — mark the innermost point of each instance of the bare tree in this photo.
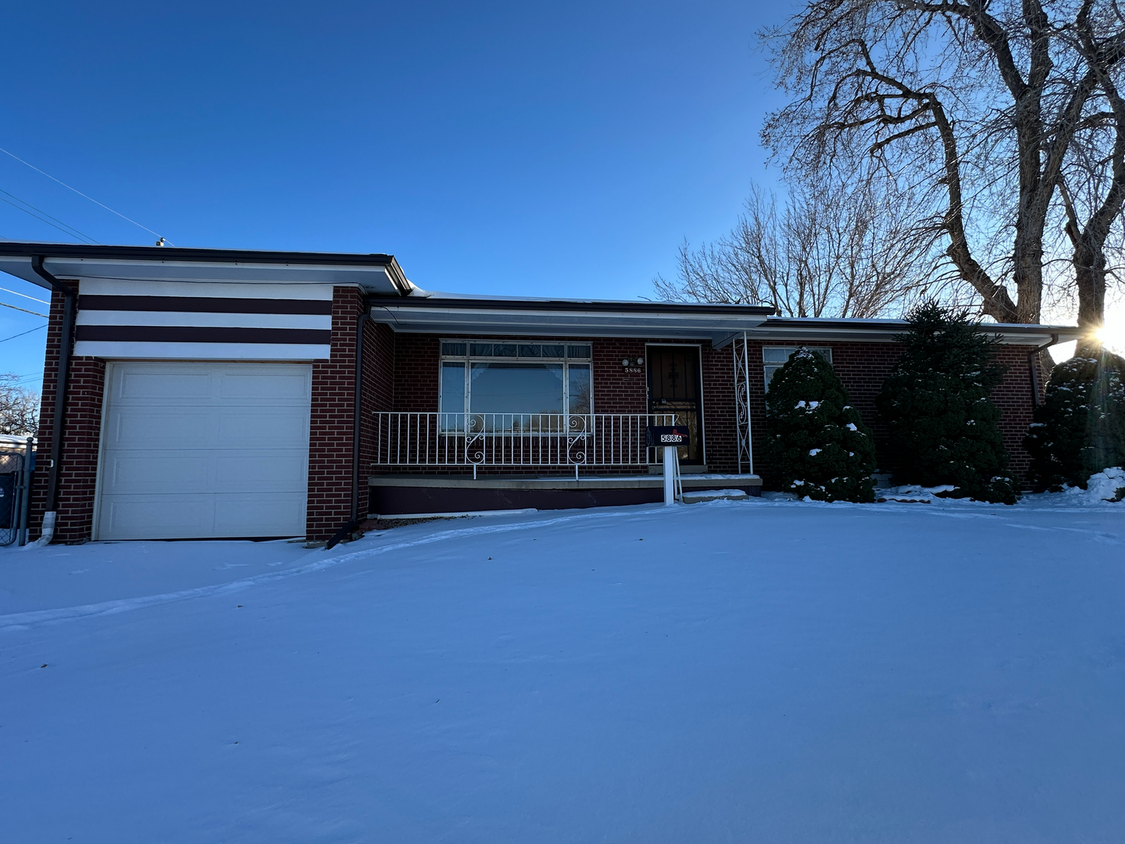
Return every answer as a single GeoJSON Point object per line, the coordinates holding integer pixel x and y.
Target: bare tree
{"type": "Point", "coordinates": [1003, 119]}
{"type": "Point", "coordinates": [19, 408]}
{"type": "Point", "coordinates": [832, 250]}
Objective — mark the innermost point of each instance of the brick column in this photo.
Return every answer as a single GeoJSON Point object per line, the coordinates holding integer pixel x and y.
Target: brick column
{"type": "Point", "coordinates": [332, 420]}
{"type": "Point", "coordinates": [78, 462]}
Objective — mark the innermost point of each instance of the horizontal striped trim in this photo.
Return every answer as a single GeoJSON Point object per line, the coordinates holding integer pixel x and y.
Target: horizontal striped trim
{"type": "Point", "coordinates": [207, 305]}
{"type": "Point", "coordinates": [202, 351]}
{"type": "Point", "coordinates": [155, 318]}
{"type": "Point", "coordinates": [199, 334]}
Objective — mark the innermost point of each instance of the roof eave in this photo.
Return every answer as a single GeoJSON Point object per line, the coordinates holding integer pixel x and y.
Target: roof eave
{"type": "Point", "coordinates": [376, 273]}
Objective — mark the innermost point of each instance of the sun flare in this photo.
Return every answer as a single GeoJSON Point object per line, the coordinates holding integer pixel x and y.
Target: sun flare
{"type": "Point", "coordinates": [1112, 336]}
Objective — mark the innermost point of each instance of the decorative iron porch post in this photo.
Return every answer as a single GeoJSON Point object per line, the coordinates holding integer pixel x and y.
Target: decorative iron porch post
{"type": "Point", "coordinates": [742, 404]}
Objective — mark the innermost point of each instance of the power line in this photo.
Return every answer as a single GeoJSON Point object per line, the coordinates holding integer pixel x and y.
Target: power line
{"type": "Point", "coordinates": [61, 225]}
{"type": "Point", "coordinates": [14, 336]}
{"type": "Point", "coordinates": [24, 295]}
{"type": "Point", "coordinates": [68, 187]}
{"type": "Point", "coordinates": [25, 310]}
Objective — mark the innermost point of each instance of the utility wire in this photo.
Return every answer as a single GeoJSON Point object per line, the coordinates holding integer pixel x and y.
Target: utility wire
{"type": "Point", "coordinates": [68, 187]}
{"type": "Point", "coordinates": [25, 310]}
{"type": "Point", "coordinates": [14, 336]}
{"type": "Point", "coordinates": [24, 295]}
{"type": "Point", "coordinates": [45, 214]}
{"type": "Point", "coordinates": [46, 218]}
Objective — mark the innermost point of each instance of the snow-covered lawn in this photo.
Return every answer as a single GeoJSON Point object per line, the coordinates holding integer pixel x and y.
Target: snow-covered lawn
{"type": "Point", "coordinates": [730, 671]}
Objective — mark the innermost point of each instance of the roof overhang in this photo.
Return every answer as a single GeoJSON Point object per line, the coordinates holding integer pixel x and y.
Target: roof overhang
{"type": "Point", "coordinates": [885, 331]}
{"type": "Point", "coordinates": [567, 318]}
{"type": "Point", "coordinates": [377, 274]}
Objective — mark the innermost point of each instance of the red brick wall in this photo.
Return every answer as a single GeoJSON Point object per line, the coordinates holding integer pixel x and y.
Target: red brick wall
{"type": "Point", "coordinates": [864, 366]}
{"type": "Point", "coordinates": [616, 389]}
{"type": "Point", "coordinates": [78, 462]}
{"type": "Point", "coordinates": [719, 410]}
{"type": "Point", "coordinates": [1014, 398]}
{"type": "Point", "coordinates": [861, 366]}
{"type": "Point", "coordinates": [417, 362]}
{"type": "Point", "coordinates": [378, 394]}
{"type": "Point", "coordinates": [332, 421]}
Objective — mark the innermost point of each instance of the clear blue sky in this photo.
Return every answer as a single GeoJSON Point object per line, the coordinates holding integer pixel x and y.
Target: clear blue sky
{"type": "Point", "coordinates": [498, 148]}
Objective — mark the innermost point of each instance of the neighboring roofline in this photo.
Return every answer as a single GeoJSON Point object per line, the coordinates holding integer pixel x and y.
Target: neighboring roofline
{"type": "Point", "coordinates": [182, 255]}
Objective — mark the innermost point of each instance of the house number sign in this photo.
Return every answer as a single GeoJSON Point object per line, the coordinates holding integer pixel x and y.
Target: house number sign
{"type": "Point", "coordinates": [658, 435]}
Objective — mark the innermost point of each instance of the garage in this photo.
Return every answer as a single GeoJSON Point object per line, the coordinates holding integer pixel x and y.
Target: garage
{"type": "Point", "coordinates": [196, 450]}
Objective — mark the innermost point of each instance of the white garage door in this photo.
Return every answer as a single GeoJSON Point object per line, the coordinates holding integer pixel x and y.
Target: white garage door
{"type": "Point", "coordinates": [195, 450]}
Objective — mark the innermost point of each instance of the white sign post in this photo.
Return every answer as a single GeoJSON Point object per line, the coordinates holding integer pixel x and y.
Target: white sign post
{"type": "Point", "coordinates": [671, 473]}
{"type": "Point", "coordinates": [670, 438]}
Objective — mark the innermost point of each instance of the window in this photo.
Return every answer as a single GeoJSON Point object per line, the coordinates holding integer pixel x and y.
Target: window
{"type": "Point", "coordinates": [504, 386]}
{"type": "Point", "coordinates": [774, 357]}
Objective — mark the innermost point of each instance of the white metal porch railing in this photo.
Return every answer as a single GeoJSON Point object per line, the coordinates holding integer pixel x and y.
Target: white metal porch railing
{"type": "Point", "coordinates": [516, 439]}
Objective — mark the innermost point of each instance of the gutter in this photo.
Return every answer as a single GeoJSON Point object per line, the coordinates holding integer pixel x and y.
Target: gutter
{"type": "Point", "coordinates": [1033, 368]}
{"type": "Point", "coordinates": [70, 299]}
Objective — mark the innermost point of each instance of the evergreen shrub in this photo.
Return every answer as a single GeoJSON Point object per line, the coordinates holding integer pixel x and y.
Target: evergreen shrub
{"type": "Point", "coordinates": [942, 427]}
{"type": "Point", "coordinates": [817, 445]}
{"type": "Point", "coordinates": [1080, 428]}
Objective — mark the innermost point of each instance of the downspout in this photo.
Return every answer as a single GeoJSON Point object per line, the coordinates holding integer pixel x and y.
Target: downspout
{"type": "Point", "coordinates": [1033, 367]}
{"type": "Point", "coordinates": [357, 420]}
{"type": "Point", "coordinates": [70, 299]}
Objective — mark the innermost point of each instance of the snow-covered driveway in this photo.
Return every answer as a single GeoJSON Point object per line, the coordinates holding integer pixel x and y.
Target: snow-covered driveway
{"type": "Point", "coordinates": [733, 671]}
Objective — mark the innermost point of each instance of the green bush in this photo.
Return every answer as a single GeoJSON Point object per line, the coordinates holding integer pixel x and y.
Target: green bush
{"type": "Point", "coordinates": [817, 445]}
{"type": "Point", "coordinates": [942, 427]}
{"type": "Point", "coordinates": [1080, 427]}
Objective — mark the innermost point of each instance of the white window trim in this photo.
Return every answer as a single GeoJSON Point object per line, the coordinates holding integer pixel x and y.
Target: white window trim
{"type": "Point", "coordinates": [770, 367]}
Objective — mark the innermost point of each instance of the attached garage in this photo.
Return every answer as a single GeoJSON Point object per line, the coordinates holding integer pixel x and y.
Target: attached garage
{"type": "Point", "coordinates": [196, 450]}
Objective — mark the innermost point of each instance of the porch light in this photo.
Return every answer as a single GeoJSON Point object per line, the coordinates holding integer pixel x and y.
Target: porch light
{"type": "Point", "coordinates": [624, 361]}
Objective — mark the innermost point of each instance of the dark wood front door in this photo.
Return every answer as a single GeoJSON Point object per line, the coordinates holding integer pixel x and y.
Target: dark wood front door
{"type": "Point", "coordinates": [674, 387]}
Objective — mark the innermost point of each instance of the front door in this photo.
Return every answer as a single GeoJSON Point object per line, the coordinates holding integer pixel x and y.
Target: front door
{"type": "Point", "coordinates": [674, 387]}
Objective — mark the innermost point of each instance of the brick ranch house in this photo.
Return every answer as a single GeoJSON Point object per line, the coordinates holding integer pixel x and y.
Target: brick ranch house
{"type": "Point", "coordinates": [205, 393]}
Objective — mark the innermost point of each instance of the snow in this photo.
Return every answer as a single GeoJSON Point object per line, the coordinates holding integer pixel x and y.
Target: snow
{"type": "Point", "coordinates": [692, 496]}
{"type": "Point", "coordinates": [761, 670]}
{"type": "Point", "coordinates": [1101, 488]}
